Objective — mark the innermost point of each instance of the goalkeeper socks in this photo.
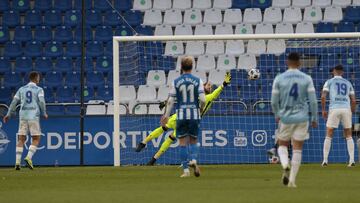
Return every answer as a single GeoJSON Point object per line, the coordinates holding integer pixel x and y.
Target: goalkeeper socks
{"type": "Point", "coordinates": [326, 150]}
{"type": "Point", "coordinates": [193, 151]}
{"type": "Point", "coordinates": [295, 165]}
{"type": "Point", "coordinates": [284, 156]}
{"type": "Point", "coordinates": [154, 134]}
{"type": "Point", "coordinates": [19, 151]}
{"type": "Point", "coordinates": [184, 156]}
{"type": "Point", "coordinates": [31, 152]}
{"type": "Point", "coordinates": [164, 146]}
{"type": "Point", "coordinates": [350, 148]}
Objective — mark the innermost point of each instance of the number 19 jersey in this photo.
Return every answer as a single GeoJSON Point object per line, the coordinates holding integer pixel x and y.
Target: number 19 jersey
{"type": "Point", "coordinates": [339, 91]}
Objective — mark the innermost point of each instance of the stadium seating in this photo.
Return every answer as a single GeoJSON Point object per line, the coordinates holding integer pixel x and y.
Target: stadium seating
{"type": "Point", "coordinates": [43, 34]}
{"type": "Point", "coordinates": [63, 34]}
{"type": "Point", "coordinates": [43, 65]}
{"type": "Point", "coordinates": [33, 18]}
{"type": "Point", "coordinates": [232, 16]}
{"type": "Point", "coordinates": [54, 80]}
{"type": "Point", "coordinates": [62, 5]}
{"type": "Point", "coordinates": [12, 49]}
{"type": "Point", "coordinates": [23, 65]}
{"type": "Point", "coordinates": [22, 34]}
{"type": "Point", "coordinates": [53, 18]}
{"type": "Point", "coordinates": [11, 18]}
{"type": "Point", "coordinates": [206, 63]}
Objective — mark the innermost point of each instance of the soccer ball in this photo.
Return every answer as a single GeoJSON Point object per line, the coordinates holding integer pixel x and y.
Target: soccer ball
{"type": "Point", "coordinates": [254, 74]}
{"type": "Point", "coordinates": [274, 160]}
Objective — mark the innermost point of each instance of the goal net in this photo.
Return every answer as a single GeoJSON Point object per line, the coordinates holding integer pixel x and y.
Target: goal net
{"type": "Point", "coordinates": [239, 128]}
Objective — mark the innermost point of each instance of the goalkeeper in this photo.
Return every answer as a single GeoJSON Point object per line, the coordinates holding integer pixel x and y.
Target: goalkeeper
{"type": "Point", "coordinates": [171, 124]}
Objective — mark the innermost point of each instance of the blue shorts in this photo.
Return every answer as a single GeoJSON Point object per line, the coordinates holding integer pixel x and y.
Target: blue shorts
{"type": "Point", "coordinates": [187, 128]}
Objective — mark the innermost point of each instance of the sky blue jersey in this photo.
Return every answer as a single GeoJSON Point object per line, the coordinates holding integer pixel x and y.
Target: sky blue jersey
{"type": "Point", "coordinates": [291, 93]}
{"type": "Point", "coordinates": [186, 89]}
{"type": "Point", "coordinates": [339, 90]}
{"type": "Point", "coordinates": [32, 102]}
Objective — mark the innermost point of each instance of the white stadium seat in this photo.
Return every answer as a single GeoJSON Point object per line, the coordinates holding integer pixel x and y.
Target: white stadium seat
{"type": "Point", "coordinates": [235, 47]}
{"type": "Point", "coordinates": [154, 110]}
{"type": "Point", "coordinates": [313, 14]}
{"type": "Point", "coordinates": [304, 27]}
{"type": "Point", "coordinates": [127, 93]}
{"type": "Point", "coordinates": [163, 92]}
{"type": "Point", "coordinates": [203, 29]}
{"type": "Point", "coordinates": [252, 16]}
{"type": "Point", "coordinates": [163, 30]}
{"type": "Point", "coordinates": [292, 15]}
{"type": "Point", "coordinates": [173, 48]}
{"type": "Point", "coordinates": [181, 4]}
{"type": "Point", "coordinates": [247, 61]}
{"type": "Point", "coordinates": [224, 29]}
{"type": "Point", "coordinates": [146, 93]}
{"type": "Point", "coordinates": [142, 5]}
{"type": "Point", "coordinates": [222, 4]}
{"type": "Point", "coordinates": [321, 3]}
{"type": "Point", "coordinates": [173, 17]}
{"type": "Point", "coordinates": [333, 14]}
{"type": "Point", "coordinates": [244, 29]}
{"type": "Point", "coordinates": [183, 30]}
{"type": "Point", "coordinates": [178, 64]}
{"type": "Point", "coordinates": [272, 15]}
{"type": "Point", "coordinates": [232, 16]}
{"type": "Point", "coordinates": [212, 16]}
{"type": "Point", "coordinates": [301, 3]}
{"type": "Point", "coordinates": [284, 28]}
{"type": "Point", "coordinates": [162, 4]}
{"type": "Point", "coordinates": [192, 17]}
{"type": "Point", "coordinates": [206, 63]}
{"type": "Point", "coordinates": [263, 28]}
{"type": "Point", "coordinates": [110, 108]}
{"type": "Point", "coordinates": [355, 3]}
{"type": "Point", "coordinates": [256, 47]}
{"type": "Point", "coordinates": [215, 47]}
{"type": "Point", "coordinates": [138, 109]}
{"type": "Point", "coordinates": [341, 3]}
{"type": "Point", "coordinates": [201, 4]}
{"type": "Point", "coordinates": [194, 48]}
{"type": "Point", "coordinates": [226, 62]}
{"type": "Point", "coordinates": [276, 46]}
{"type": "Point", "coordinates": [152, 17]}
{"type": "Point", "coordinates": [281, 3]}
{"type": "Point", "coordinates": [216, 77]}
{"type": "Point", "coordinates": [173, 74]}
{"type": "Point", "coordinates": [200, 74]}
{"type": "Point", "coordinates": [96, 107]}
{"type": "Point", "coordinates": [156, 78]}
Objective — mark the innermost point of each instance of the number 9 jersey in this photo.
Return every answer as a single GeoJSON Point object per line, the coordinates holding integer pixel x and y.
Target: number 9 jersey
{"type": "Point", "coordinates": [340, 90]}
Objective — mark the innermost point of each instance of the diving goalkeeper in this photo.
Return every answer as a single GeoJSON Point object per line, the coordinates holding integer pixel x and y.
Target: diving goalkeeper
{"type": "Point", "coordinates": [171, 124]}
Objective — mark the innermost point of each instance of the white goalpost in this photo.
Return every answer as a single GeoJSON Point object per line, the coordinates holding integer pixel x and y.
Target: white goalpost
{"type": "Point", "coordinates": [238, 135]}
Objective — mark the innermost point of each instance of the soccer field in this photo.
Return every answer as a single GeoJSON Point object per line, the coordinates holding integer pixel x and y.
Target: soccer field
{"type": "Point", "coordinates": [222, 183]}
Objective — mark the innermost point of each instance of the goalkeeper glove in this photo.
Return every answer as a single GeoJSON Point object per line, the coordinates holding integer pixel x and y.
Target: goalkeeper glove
{"type": "Point", "coordinates": [162, 105]}
{"type": "Point", "coordinates": [227, 79]}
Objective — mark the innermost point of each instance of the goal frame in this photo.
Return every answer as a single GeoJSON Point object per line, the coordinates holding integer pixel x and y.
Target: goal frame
{"type": "Point", "coordinates": [116, 62]}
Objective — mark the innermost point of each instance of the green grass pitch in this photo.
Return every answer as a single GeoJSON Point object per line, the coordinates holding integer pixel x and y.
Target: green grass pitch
{"type": "Point", "coordinates": [218, 184]}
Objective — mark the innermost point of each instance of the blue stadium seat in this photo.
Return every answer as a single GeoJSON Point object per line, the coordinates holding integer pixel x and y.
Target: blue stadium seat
{"type": "Point", "coordinates": [350, 61]}
{"type": "Point", "coordinates": [12, 80]}
{"type": "Point", "coordinates": [134, 18]}
{"type": "Point", "coordinates": [103, 33]}
{"type": "Point", "coordinates": [93, 18]}
{"type": "Point", "coordinates": [112, 18]}
{"type": "Point", "coordinates": [72, 110]}
{"type": "Point", "coordinates": [166, 63]}
{"type": "Point", "coordinates": [23, 34]}
{"type": "Point", "coordinates": [11, 18]}
{"type": "Point", "coordinates": [109, 49]}
{"type": "Point", "coordinates": [43, 64]}
{"type": "Point", "coordinates": [63, 34]}
{"type": "Point", "coordinates": [73, 49]}
{"type": "Point", "coordinates": [65, 95]}
{"type": "Point", "coordinates": [328, 61]}
{"type": "Point", "coordinates": [94, 49]}
{"type": "Point", "coordinates": [33, 18]}
{"type": "Point", "coordinates": [72, 18]}
{"type": "Point", "coordinates": [56, 110]}
{"type": "Point", "coordinates": [123, 31]}
{"type": "Point", "coordinates": [33, 49]}
{"type": "Point", "coordinates": [104, 93]}
{"type": "Point", "coordinates": [123, 5]}
{"type": "Point", "coordinates": [324, 27]}
{"type": "Point", "coordinates": [88, 34]}
{"type": "Point", "coordinates": [5, 95]}
{"type": "Point", "coordinates": [49, 95]}
{"type": "Point", "coordinates": [232, 93]}
{"type": "Point", "coordinates": [104, 64]}
{"type": "Point", "coordinates": [12, 49]}
{"type": "Point", "coordinates": [102, 5]}
{"type": "Point", "coordinates": [53, 18]}
{"type": "Point", "coordinates": [95, 79]}
{"type": "Point", "coordinates": [352, 14]}
{"type": "Point", "coordinates": [78, 4]}
{"type": "Point", "coordinates": [146, 63]}
{"type": "Point", "coordinates": [262, 4]}
{"type": "Point", "coordinates": [21, 5]}
{"type": "Point", "coordinates": [89, 64]}
{"type": "Point", "coordinates": [5, 65]}
{"type": "Point", "coordinates": [54, 80]}
{"type": "Point", "coordinates": [263, 107]}
{"type": "Point", "coordinates": [144, 30]}
{"type": "Point", "coordinates": [53, 49]}
{"type": "Point", "coordinates": [62, 5]}
{"type": "Point", "coordinates": [23, 65]}
{"type": "Point", "coordinates": [72, 79]}
{"type": "Point", "coordinates": [89, 94]}
{"type": "Point", "coordinates": [267, 62]}
{"type": "Point", "coordinates": [4, 34]}
{"type": "Point", "coordinates": [43, 34]}
{"type": "Point", "coordinates": [345, 26]}
{"type": "Point", "coordinates": [43, 5]}
{"type": "Point", "coordinates": [64, 64]}
{"type": "Point", "coordinates": [242, 4]}
{"type": "Point", "coordinates": [4, 6]}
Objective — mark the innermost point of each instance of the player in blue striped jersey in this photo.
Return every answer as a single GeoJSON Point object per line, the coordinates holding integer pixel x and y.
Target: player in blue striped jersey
{"type": "Point", "coordinates": [188, 91]}
{"type": "Point", "coordinates": [341, 93]}
{"type": "Point", "coordinates": [32, 105]}
{"type": "Point", "coordinates": [291, 93]}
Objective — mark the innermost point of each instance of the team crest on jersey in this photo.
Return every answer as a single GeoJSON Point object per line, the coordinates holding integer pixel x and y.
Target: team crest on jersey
{"type": "Point", "coordinates": [4, 141]}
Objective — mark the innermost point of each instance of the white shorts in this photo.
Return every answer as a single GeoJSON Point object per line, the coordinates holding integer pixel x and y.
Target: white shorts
{"type": "Point", "coordinates": [297, 131]}
{"type": "Point", "coordinates": [29, 126]}
{"type": "Point", "coordinates": [339, 115]}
